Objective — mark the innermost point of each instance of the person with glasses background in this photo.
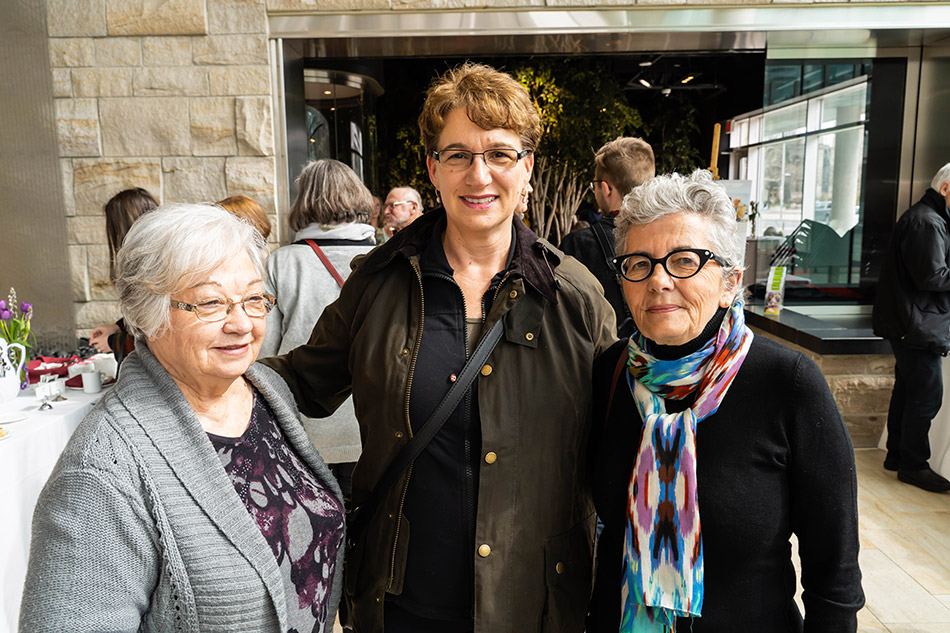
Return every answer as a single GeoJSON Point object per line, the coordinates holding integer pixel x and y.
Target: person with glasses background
{"type": "Point", "coordinates": [712, 447]}
{"type": "Point", "coordinates": [189, 498]}
{"type": "Point", "coordinates": [619, 166]}
{"type": "Point", "coordinates": [402, 206]}
{"type": "Point", "coordinates": [490, 529]}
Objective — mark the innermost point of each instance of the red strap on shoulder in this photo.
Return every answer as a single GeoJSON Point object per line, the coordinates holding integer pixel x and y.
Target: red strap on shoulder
{"type": "Point", "coordinates": [326, 262]}
{"type": "Point", "coordinates": [621, 363]}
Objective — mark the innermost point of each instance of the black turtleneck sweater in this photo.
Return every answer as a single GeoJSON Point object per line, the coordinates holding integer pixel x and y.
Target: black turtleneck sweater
{"type": "Point", "coordinates": [775, 459]}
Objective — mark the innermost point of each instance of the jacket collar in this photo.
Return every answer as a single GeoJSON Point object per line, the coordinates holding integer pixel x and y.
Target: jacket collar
{"type": "Point", "coordinates": [532, 258]}
{"type": "Point", "coordinates": [935, 201]}
{"type": "Point", "coordinates": [150, 395]}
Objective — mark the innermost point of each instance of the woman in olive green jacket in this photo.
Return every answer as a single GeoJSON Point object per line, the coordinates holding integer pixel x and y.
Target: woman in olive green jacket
{"type": "Point", "coordinates": [491, 528]}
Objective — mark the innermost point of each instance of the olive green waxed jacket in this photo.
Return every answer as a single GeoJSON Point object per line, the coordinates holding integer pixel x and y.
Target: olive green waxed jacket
{"type": "Point", "coordinates": [535, 524]}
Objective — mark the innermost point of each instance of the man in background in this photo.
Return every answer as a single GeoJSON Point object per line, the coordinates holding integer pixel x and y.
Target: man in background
{"type": "Point", "coordinates": [912, 311]}
{"type": "Point", "coordinates": [402, 206]}
{"type": "Point", "coordinates": [619, 166]}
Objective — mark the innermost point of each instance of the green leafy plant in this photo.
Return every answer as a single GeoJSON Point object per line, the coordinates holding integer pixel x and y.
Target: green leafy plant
{"type": "Point", "coordinates": [582, 107]}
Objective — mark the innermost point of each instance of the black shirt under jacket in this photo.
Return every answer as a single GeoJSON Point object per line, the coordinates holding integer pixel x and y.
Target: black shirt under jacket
{"type": "Point", "coordinates": [442, 497]}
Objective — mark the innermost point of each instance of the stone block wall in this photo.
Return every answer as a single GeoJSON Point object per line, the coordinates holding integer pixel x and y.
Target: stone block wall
{"type": "Point", "coordinates": [173, 96]}
{"type": "Point", "coordinates": [861, 385]}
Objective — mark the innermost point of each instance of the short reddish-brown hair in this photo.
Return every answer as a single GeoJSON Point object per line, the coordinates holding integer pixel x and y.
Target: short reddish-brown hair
{"type": "Point", "coordinates": [247, 209]}
{"type": "Point", "coordinates": [492, 99]}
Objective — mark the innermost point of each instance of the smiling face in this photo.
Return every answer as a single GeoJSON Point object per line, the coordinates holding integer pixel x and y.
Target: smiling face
{"type": "Point", "coordinates": [210, 356]}
{"type": "Point", "coordinates": [478, 198]}
{"type": "Point", "coordinates": [671, 311]}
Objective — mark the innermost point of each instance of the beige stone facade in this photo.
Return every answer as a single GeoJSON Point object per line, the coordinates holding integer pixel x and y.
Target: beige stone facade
{"type": "Point", "coordinates": [173, 96]}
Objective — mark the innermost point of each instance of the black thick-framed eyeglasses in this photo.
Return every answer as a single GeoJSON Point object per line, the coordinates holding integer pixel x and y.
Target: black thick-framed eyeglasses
{"type": "Point", "coordinates": [499, 158]}
{"type": "Point", "coordinates": [591, 184]}
{"type": "Point", "coordinates": [682, 263]}
{"type": "Point", "coordinates": [255, 306]}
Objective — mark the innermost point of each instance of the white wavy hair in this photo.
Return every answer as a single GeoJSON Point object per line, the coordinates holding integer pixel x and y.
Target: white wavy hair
{"type": "Point", "coordinates": [696, 193]}
{"type": "Point", "coordinates": [942, 176]}
{"type": "Point", "coordinates": [171, 249]}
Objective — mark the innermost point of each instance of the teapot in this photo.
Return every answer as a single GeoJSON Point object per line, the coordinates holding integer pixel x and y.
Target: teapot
{"type": "Point", "coordinates": [10, 369]}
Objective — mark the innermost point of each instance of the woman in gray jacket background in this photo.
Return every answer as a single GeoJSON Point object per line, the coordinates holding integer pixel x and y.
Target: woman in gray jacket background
{"type": "Point", "coordinates": [189, 498]}
{"type": "Point", "coordinates": [329, 217]}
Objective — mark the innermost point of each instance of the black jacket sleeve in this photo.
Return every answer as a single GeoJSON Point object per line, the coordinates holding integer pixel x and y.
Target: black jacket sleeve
{"type": "Point", "coordinates": [925, 248]}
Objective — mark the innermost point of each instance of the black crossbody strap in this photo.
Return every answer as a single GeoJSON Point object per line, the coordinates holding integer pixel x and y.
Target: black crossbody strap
{"type": "Point", "coordinates": [365, 511]}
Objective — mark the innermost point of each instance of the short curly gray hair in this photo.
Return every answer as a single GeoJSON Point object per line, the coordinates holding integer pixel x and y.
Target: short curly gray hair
{"type": "Point", "coordinates": [171, 249]}
{"type": "Point", "coordinates": [696, 193]}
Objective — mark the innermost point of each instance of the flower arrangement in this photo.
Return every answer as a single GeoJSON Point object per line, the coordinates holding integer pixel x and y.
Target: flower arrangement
{"type": "Point", "coordinates": [15, 324]}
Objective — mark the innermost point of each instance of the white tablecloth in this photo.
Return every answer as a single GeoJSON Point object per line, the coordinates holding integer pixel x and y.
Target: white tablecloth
{"type": "Point", "coordinates": [27, 457]}
{"type": "Point", "coordinates": [939, 430]}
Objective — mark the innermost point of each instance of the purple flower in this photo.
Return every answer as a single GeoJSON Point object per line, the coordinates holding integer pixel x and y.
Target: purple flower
{"type": "Point", "coordinates": [3, 304]}
{"type": "Point", "coordinates": [26, 307]}
{"type": "Point", "coordinates": [6, 315]}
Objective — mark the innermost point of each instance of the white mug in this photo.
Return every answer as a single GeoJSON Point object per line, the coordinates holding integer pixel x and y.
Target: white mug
{"type": "Point", "coordinates": [91, 382]}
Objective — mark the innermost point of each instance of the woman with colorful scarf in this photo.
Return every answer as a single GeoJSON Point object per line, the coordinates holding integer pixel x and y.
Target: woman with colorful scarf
{"type": "Point", "coordinates": [711, 446]}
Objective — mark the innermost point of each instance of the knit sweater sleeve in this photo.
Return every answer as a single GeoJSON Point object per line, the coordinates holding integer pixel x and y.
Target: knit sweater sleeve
{"type": "Point", "coordinates": [93, 560]}
{"type": "Point", "coordinates": [824, 509]}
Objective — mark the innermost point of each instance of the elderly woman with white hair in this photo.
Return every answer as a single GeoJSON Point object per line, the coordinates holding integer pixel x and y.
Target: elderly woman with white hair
{"type": "Point", "coordinates": [712, 447]}
{"type": "Point", "coordinates": [189, 498]}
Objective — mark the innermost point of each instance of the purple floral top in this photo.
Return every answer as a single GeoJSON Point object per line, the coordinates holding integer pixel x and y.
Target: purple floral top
{"type": "Point", "coordinates": [301, 519]}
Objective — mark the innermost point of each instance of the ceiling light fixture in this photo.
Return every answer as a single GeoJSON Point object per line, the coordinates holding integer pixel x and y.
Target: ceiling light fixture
{"type": "Point", "coordinates": [687, 79]}
{"type": "Point", "coordinates": [645, 83]}
{"type": "Point", "coordinates": [328, 92]}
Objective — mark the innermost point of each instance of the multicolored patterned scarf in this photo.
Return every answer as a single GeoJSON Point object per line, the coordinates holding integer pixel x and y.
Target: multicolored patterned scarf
{"type": "Point", "coordinates": [663, 548]}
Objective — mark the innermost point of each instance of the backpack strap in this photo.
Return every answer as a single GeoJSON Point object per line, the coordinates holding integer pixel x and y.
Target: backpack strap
{"type": "Point", "coordinates": [600, 234]}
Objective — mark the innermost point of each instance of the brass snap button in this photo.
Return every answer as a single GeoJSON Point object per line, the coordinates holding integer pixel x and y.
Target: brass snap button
{"type": "Point", "coordinates": [483, 550]}
{"type": "Point", "coordinates": [512, 294]}
{"type": "Point", "coordinates": [559, 568]}
{"type": "Point", "coordinates": [486, 370]}
{"type": "Point", "coordinates": [490, 457]}
{"type": "Point", "coordinates": [529, 336]}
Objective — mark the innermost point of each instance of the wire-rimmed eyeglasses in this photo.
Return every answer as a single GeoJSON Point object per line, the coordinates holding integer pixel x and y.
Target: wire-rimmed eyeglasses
{"type": "Point", "coordinates": [682, 263]}
{"type": "Point", "coordinates": [255, 306]}
{"type": "Point", "coordinates": [500, 158]}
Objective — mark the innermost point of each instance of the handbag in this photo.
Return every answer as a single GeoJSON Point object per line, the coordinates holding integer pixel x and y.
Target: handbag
{"type": "Point", "coordinates": [363, 514]}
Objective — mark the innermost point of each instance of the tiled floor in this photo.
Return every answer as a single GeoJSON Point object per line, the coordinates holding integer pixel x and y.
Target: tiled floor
{"type": "Point", "coordinates": [905, 552]}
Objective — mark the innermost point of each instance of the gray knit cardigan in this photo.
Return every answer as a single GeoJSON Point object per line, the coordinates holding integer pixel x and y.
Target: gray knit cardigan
{"type": "Point", "coordinates": [139, 527]}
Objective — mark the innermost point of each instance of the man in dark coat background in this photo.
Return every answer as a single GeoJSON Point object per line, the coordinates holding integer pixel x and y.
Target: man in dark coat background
{"type": "Point", "coordinates": [619, 166]}
{"type": "Point", "coordinates": [912, 311]}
